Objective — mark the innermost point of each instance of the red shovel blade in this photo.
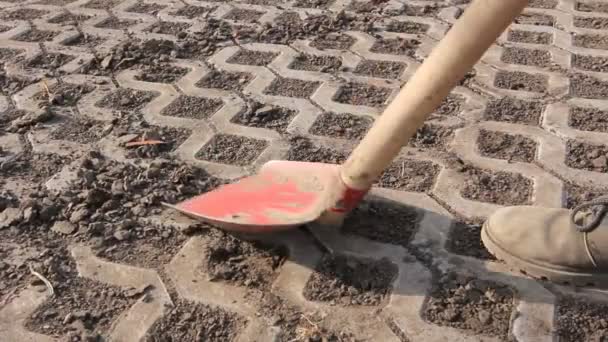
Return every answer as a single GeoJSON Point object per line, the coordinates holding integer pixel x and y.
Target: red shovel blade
{"type": "Point", "coordinates": [282, 195]}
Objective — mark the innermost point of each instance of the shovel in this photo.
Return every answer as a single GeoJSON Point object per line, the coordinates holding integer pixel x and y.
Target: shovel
{"type": "Point", "coordinates": [287, 194]}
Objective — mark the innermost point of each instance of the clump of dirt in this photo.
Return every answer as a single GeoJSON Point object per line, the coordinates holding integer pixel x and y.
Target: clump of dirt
{"type": "Point", "coordinates": [465, 239]}
{"type": "Point", "coordinates": [142, 7]}
{"type": "Point", "coordinates": [115, 23]}
{"type": "Point", "coordinates": [577, 194]}
{"type": "Point", "coordinates": [313, 3]}
{"type": "Point", "coordinates": [252, 57]}
{"type": "Point", "coordinates": [546, 4]}
{"type": "Point", "coordinates": [345, 126]}
{"type": "Point", "coordinates": [191, 12]}
{"type": "Point", "coordinates": [594, 23]}
{"type": "Point", "coordinates": [33, 168]}
{"type": "Point", "coordinates": [192, 107]}
{"type": "Point", "coordinates": [244, 263]}
{"type": "Point", "coordinates": [380, 69]}
{"type": "Point", "coordinates": [501, 188]}
{"type": "Point", "coordinates": [519, 80]}
{"type": "Point", "coordinates": [102, 4]}
{"type": "Point", "coordinates": [539, 58]}
{"type": "Point", "coordinates": [80, 131]}
{"type": "Point", "coordinates": [226, 80]}
{"type": "Point", "coordinates": [232, 149]}
{"type": "Point", "coordinates": [588, 119]}
{"type": "Point", "coordinates": [407, 27]}
{"type": "Point", "coordinates": [384, 221]}
{"type": "Point", "coordinates": [130, 53]}
{"type": "Point", "coordinates": [170, 28]}
{"type": "Point", "coordinates": [85, 309]}
{"type": "Point", "coordinates": [64, 94]}
{"type": "Point", "coordinates": [373, 6]}
{"type": "Point", "coordinates": [514, 110]}
{"type": "Point", "coordinates": [463, 302]}
{"type": "Point", "coordinates": [535, 19]}
{"type": "Point", "coordinates": [196, 322]}
{"type": "Point", "coordinates": [170, 137]}
{"type": "Point", "coordinates": [452, 105]}
{"type": "Point", "coordinates": [84, 39]}
{"type": "Point", "coordinates": [69, 18]}
{"type": "Point", "coordinates": [343, 280]}
{"type": "Point", "coordinates": [499, 145]}
{"type": "Point", "coordinates": [257, 114]}
{"type": "Point", "coordinates": [581, 320]}
{"type": "Point", "coordinates": [240, 14]}
{"type": "Point", "coordinates": [23, 14]}
{"type": "Point", "coordinates": [410, 175]}
{"type": "Point", "coordinates": [49, 60]}
{"type": "Point", "coordinates": [12, 84]}
{"type": "Point", "coordinates": [292, 87]}
{"type": "Point", "coordinates": [588, 87]}
{"type": "Point", "coordinates": [316, 63]}
{"type": "Point", "coordinates": [580, 155]}
{"type": "Point", "coordinates": [303, 149]}
{"type": "Point", "coordinates": [359, 94]}
{"type": "Point", "coordinates": [592, 6]}
{"type": "Point", "coordinates": [432, 136]}
{"type": "Point", "coordinates": [530, 37]}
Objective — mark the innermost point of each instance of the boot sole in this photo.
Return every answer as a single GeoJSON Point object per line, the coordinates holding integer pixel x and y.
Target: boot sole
{"type": "Point", "coordinates": [542, 272]}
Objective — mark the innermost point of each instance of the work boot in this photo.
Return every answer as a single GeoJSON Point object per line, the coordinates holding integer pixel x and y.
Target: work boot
{"type": "Point", "coordinates": [560, 245]}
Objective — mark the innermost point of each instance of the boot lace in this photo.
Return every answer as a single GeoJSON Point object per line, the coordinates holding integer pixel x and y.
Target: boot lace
{"type": "Point", "coordinates": [599, 209]}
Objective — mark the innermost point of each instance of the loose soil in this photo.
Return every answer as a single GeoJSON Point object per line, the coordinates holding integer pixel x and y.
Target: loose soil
{"type": "Point", "coordinates": [383, 221]}
{"type": "Point", "coordinates": [465, 239]}
{"type": "Point", "coordinates": [588, 119]}
{"type": "Point", "coordinates": [64, 94]}
{"type": "Point", "coordinates": [502, 188]}
{"type": "Point", "coordinates": [232, 149]}
{"type": "Point", "coordinates": [12, 84]}
{"type": "Point", "coordinates": [513, 110]}
{"type": "Point", "coordinates": [33, 167]}
{"type": "Point", "coordinates": [84, 39]}
{"type": "Point", "coordinates": [433, 137]}
{"type": "Point", "coordinates": [581, 320]}
{"type": "Point", "coordinates": [302, 149]}
{"type": "Point", "coordinates": [547, 4]}
{"type": "Point", "coordinates": [530, 37]}
{"type": "Point", "coordinates": [259, 115]}
{"type": "Point", "coordinates": [396, 46]}
{"type": "Point", "coordinates": [225, 80]}
{"type": "Point", "coordinates": [242, 263]}
{"type": "Point", "coordinates": [343, 126]}
{"type": "Point", "coordinates": [324, 4]}
{"type": "Point", "coordinates": [577, 194]}
{"type": "Point", "coordinates": [172, 139]}
{"type": "Point", "coordinates": [145, 8]}
{"type": "Point", "coordinates": [590, 41]}
{"type": "Point", "coordinates": [539, 58]}
{"type": "Point", "coordinates": [535, 19]}
{"type": "Point", "coordinates": [102, 4]}
{"type": "Point", "coordinates": [510, 147]}
{"type": "Point", "coordinates": [115, 23]}
{"type": "Point", "coordinates": [170, 28]}
{"type": "Point", "coordinates": [162, 73]}
{"type": "Point", "coordinates": [590, 63]}
{"type": "Point", "coordinates": [373, 6]}
{"type": "Point", "coordinates": [68, 18]}
{"type": "Point", "coordinates": [452, 105]}
{"type": "Point", "coordinates": [23, 14]}
{"type": "Point", "coordinates": [360, 94]}
{"type": "Point", "coordinates": [580, 155]}
{"type": "Point", "coordinates": [239, 14]}
{"type": "Point", "coordinates": [410, 175]}
{"type": "Point", "coordinates": [316, 63]}
{"type": "Point", "coordinates": [192, 107]}
{"type": "Point", "coordinates": [252, 57]}
{"type": "Point", "coordinates": [480, 306]}
{"type": "Point", "coordinates": [592, 6]}
{"type": "Point", "coordinates": [79, 131]}
{"type": "Point", "coordinates": [292, 87]}
{"type": "Point", "coordinates": [335, 41]}
{"type": "Point", "coordinates": [380, 69]}
{"type": "Point", "coordinates": [407, 27]}
{"type": "Point", "coordinates": [588, 87]}
{"type": "Point", "coordinates": [345, 281]}
{"type": "Point", "coordinates": [126, 99]}
{"type": "Point", "coordinates": [598, 23]}
{"type": "Point", "coordinates": [85, 308]}
{"type": "Point", "coordinates": [519, 80]}
{"type": "Point", "coordinates": [192, 12]}
{"type": "Point", "coordinates": [35, 36]}
{"type": "Point", "coordinates": [50, 60]}
{"type": "Point", "coordinates": [196, 322]}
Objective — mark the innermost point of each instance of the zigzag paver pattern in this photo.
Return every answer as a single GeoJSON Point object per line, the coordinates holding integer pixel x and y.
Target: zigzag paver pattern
{"type": "Point", "coordinates": [542, 60]}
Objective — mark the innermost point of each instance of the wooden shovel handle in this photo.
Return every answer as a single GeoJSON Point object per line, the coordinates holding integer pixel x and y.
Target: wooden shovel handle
{"type": "Point", "coordinates": [456, 54]}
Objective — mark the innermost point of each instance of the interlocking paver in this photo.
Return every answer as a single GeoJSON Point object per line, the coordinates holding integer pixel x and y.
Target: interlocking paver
{"type": "Point", "coordinates": [232, 84]}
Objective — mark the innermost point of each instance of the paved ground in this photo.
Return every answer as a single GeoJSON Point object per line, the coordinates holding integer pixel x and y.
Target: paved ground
{"type": "Point", "coordinates": [228, 85]}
